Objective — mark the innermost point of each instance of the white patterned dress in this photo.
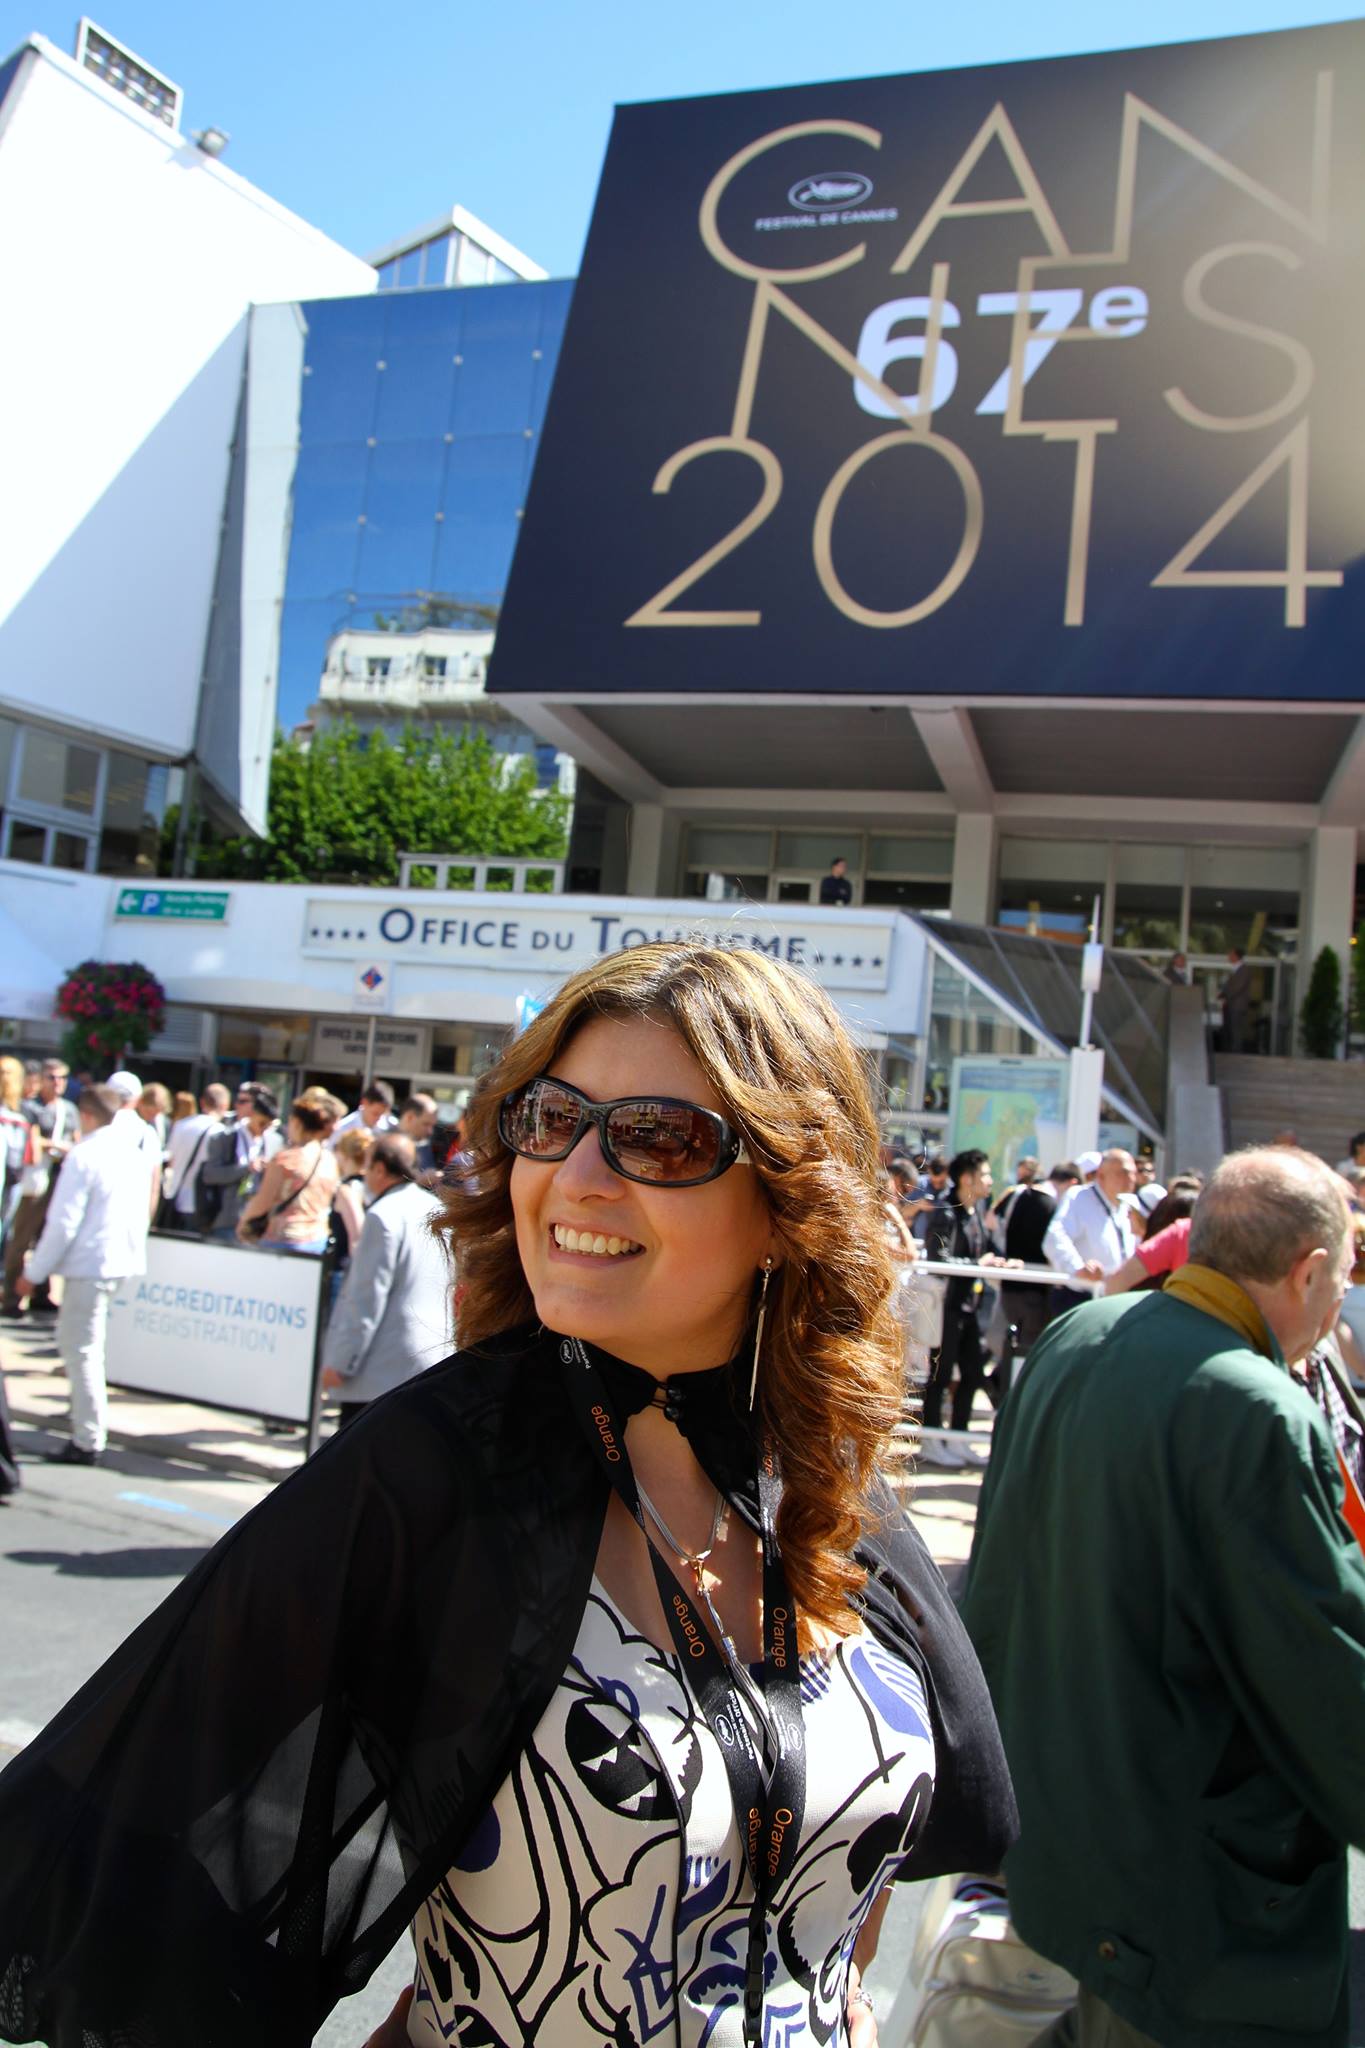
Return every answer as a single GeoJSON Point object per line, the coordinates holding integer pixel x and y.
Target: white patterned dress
{"type": "Point", "coordinates": [605, 1896]}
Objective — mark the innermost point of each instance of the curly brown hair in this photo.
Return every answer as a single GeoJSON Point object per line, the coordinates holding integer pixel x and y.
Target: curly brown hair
{"type": "Point", "coordinates": [791, 1080]}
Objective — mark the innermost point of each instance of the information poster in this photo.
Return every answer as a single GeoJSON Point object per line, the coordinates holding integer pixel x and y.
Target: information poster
{"type": "Point", "coordinates": [1010, 1109]}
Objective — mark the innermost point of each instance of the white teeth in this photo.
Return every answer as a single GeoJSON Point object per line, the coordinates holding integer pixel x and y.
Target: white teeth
{"type": "Point", "coordinates": [592, 1242]}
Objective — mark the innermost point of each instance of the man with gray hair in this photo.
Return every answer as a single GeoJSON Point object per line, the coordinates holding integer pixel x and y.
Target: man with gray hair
{"type": "Point", "coordinates": [1170, 1612]}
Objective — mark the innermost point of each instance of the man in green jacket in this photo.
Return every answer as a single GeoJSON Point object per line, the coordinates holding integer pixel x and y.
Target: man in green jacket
{"type": "Point", "coordinates": [1170, 1612]}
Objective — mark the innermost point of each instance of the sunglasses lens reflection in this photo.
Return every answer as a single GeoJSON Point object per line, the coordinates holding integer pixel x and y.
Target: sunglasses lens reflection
{"type": "Point", "coordinates": [663, 1141]}
{"type": "Point", "coordinates": [542, 1122]}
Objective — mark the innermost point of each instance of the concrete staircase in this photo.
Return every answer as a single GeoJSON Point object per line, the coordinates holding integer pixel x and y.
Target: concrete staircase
{"type": "Point", "coordinates": [1321, 1101]}
{"type": "Point", "coordinates": [1194, 1108]}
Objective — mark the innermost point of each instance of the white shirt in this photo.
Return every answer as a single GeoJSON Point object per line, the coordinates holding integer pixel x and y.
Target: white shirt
{"type": "Point", "coordinates": [185, 1149]}
{"type": "Point", "coordinates": [355, 1121]}
{"type": "Point", "coordinates": [96, 1226]}
{"type": "Point", "coordinates": [1089, 1228]}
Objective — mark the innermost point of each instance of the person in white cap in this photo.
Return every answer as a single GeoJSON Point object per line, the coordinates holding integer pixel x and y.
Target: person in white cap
{"type": "Point", "coordinates": [128, 1088]}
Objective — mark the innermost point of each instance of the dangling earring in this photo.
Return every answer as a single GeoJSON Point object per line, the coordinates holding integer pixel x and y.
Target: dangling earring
{"type": "Point", "coordinates": [758, 1329]}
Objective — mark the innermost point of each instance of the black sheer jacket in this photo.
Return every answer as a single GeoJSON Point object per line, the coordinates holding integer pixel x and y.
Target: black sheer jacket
{"type": "Point", "coordinates": [230, 1825]}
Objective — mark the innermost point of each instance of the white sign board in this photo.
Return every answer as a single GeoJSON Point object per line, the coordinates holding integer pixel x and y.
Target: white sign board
{"type": "Point", "coordinates": [222, 1324]}
{"type": "Point", "coordinates": [341, 1043]}
{"type": "Point", "coordinates": [846, 951]}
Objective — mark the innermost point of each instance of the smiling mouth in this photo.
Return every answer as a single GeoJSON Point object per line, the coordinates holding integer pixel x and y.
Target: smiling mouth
{"type": "Point", "coordinates": [595, 1244]}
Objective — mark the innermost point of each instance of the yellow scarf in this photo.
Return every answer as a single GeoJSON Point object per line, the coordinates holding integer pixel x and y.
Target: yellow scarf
{"type": "Point", "coordinates": [1215, 1295]}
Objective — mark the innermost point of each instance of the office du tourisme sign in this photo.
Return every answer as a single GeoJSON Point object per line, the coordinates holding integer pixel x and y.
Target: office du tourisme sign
{"type": "Point", "coordinates": [840, 950]}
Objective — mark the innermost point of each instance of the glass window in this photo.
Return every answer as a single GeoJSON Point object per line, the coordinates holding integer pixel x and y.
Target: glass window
{"type": "Point", "coordinates": [473, 262]}
{"type": "Point", "coordinates": [329, 497]}
{"type": "Point", "coordinates": [434, 667]}
{"type": "Point", "coordinates": [377, 667]}
{"type": "Point", "coordinates": [726, 888]}
{"type": "Point", "coordinates": [495, 384]}
{"type": "Point", "coordinates": [1048, 886]}
{"type": "Point", "coordinates": [718, 847]}
{"type": "Point", "coordinates": [134, 807]}
{"type": "Point", "coordinates": [410, 267]}
{"type": "Point", "coordinates": [28, 842]}
{"type": "Point", "coordinates": [962, 1019]}
{"type": "Point", "coordinates": [9, 733]}
{"type": "Point", "coordinates": [398, 540]}
{"type": "Point", "coordinates": [58, 772]}
{"type": "Point", "coordinates": [388, 274]}
{"type": "Point", "coordinates": [70, 850]}
{"type": "Point", "coordinates": [909, 856]}
{"type": "Point", "coordinates": [817, 849]}
{"type": "Point", "coordinates": [907, 895]}
{"type": "Point", "coordinates": [795, 892]}
{"type": "Point", "coordinates": [437, 260]}
{"type": "Point", "coordinates": [344, 344]}
{"type": "Point", "coordinates": [275, 1040]}
{"type": "Point", "coordinates": [466, 1049]}
{"type": "Point", "coordinates": [1244, 896]}
{"type": "Point", "coordinates": [416, 389]}
{"type": "Point", "coordinates": [1149, 887]}
{"type": "Point", "coordinates": [502, 274]}
{"type": "Point", "coordinates": [485, 487]}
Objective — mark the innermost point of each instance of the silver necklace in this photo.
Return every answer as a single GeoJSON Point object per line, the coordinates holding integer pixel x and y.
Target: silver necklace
{"type": "Point", "coordinates": [695, 1560]}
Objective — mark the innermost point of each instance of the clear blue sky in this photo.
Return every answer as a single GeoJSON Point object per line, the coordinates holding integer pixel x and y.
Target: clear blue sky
{"type": "Point", "coordinates": [368, 119]}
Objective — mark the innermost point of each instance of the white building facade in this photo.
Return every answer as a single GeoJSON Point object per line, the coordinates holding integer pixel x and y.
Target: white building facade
{"type": "Point", "coordinates": [123, 367]}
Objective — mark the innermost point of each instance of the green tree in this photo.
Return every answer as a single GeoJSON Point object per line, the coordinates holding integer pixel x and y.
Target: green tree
{"type": "Point", "coordinates": [342, 810]}
{"type": "Point", "coordinates": [1320, 1014]}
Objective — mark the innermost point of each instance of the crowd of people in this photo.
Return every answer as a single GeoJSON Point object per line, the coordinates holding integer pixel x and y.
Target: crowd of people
{"type": "Point", "coordinates": [86, 1179]}
{"type": "Point", "coordinates": [623, 1782]}
{"type": "Point", "coordinates": [1103, 1220]}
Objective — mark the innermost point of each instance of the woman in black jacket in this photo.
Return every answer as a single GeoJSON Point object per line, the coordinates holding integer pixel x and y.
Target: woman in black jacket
{"type": "Point", "coordinates": [599, 1655]}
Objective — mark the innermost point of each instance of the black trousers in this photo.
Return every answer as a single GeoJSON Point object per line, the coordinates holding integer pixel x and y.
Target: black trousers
{"type": "Point", "coordinates": [961, 1348]}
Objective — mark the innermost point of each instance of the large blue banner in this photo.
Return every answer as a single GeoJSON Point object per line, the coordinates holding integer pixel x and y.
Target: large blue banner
{"type": "Point", "coordinates": [1034, 379]}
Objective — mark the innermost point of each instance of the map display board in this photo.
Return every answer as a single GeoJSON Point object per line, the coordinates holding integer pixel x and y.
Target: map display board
{"type": "Point", "coordinates": [1022, 379]}
{"type": "Point", "coordinates": [1009, 1108]}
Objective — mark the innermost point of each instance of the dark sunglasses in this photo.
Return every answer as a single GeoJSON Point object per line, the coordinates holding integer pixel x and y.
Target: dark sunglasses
{"type": "Point", "coordinates": [651, 1138]}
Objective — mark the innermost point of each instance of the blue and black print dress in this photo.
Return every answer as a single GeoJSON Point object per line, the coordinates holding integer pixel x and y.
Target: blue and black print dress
{"type": "Point", "coordinates": [605, 1896]}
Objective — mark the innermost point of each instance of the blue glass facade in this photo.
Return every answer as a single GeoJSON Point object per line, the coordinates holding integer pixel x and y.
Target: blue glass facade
{"type": "Point", "coordinates": [419, 422]}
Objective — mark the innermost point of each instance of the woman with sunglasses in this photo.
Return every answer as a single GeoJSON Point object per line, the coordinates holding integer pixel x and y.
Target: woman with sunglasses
{"type": "Point", "coordinates": [600, 1655]}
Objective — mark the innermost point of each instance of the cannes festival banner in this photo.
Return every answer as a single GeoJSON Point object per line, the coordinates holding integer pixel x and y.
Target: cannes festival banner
{"type": "Point", "coordinates": [1031, 378]}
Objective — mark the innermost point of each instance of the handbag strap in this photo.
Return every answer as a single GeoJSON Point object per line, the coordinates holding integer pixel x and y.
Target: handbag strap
{"type": "Point", "coordinates": [294, 1193]}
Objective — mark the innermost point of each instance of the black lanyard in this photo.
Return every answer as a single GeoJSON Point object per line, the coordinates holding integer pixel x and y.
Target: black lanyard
{"type": "Point", "coordinates": [769, 1813]}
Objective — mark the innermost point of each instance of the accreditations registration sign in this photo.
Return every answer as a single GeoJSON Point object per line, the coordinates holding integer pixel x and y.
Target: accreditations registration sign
{"type": "Point", "coordinates": [844, 950]}
{"type": "Point", "coordinates": [1033, 378]}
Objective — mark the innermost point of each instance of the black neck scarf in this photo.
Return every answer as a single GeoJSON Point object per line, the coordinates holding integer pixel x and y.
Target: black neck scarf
{"type": "Point", "coordinates": [604, 1392]}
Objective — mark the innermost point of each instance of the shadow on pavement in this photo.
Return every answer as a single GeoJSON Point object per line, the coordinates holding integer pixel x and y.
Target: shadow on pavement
{"type": "Point", "coordinates": [166, 1562]}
